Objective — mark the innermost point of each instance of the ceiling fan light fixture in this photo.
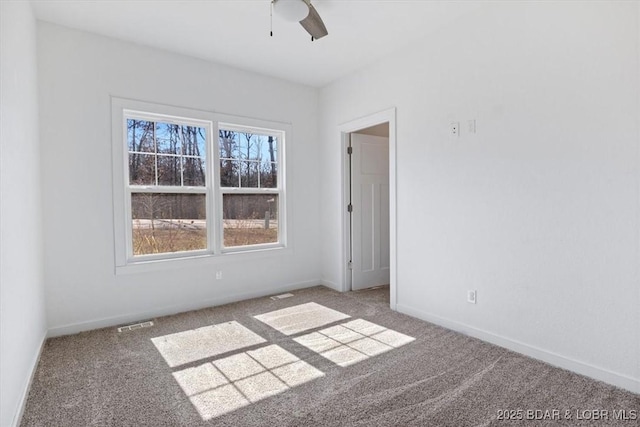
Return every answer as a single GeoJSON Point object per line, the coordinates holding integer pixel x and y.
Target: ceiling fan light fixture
{"type": "Point", "coordinates": [291, 10]}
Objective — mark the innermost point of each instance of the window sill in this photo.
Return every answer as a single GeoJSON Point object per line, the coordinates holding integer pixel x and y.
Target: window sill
{"type": "Point", "coordinates": [200, 260]}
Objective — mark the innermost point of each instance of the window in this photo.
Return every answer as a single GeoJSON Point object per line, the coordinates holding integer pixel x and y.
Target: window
{"type": "Point", "coordinates": [249, 185]}
{"type": "Point", "coordinates": [181, 192]}
{"type": "Point", "coordinates": [167, 184]}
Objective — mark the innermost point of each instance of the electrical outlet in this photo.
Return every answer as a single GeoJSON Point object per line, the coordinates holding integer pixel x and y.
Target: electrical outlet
{"type": "Point", "coordinates": [454, 129]}
{"type": "Point", "coordinates": [472, 296]}
{"type": "Point", "coordinates": [218, 275]}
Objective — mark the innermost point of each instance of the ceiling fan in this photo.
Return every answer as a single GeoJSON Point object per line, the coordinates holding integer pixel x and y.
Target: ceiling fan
{"type": "Point", "coordinates": [301, 11]}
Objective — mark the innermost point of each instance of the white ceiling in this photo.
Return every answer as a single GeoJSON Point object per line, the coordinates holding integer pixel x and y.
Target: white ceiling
{"type": "Point", "coordinates": [236, 32]}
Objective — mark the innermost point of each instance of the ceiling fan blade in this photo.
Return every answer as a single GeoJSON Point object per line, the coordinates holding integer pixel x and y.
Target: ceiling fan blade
{"type": "Point", "coordinates": [313, 23]}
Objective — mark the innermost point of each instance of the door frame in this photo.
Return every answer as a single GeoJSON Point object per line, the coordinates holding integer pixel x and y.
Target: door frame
{"type": "Point", "coordinates": [388, 115]}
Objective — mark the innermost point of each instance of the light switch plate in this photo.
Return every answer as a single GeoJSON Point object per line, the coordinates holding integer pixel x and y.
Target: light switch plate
{"type": "Point", "coordinates": [472, 296]}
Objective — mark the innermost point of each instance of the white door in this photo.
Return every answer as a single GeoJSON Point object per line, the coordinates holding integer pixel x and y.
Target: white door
{"type": "Point", "coordinates": [370, 217]}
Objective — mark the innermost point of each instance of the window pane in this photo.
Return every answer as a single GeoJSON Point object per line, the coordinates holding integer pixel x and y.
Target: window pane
{"type": "Point", "coordinates": [176, 154]}
{"type": "Point", "coordinates": [140, 136]}
{"type": "Point", "coordinates": [193, 172]}
{"type": "Point", "coordinates": [142, 169]}
{"type": "Point", "coordinates": [272, 148]}
{"type": "Point", "coordinates": [258, 142]}
{"type": "Point", "coordinates": [248, 160]}
{"type": "Point", "coordinates": [229, 173]}
{"type": "Point", "coordinates": [194, 141]}
{"type": "Point", "coordinates": [268, 174]}
{"type": "Point", "coordinates": [169, 170]}
{"type": "Point", "coordinates": [250, 219]}
{"type": "Point", "coordinates": [249, 177]}
{"type": "Point", "coordinates": [228, 144]}
{"type": "Point", "coordinates": [168, 138]}
{"type": "Point", "coordinates": [246, 143]}
{"type": "Point", "coordinates": [190, 145]}
{"type": "Point", "coordinates": [165, 223]}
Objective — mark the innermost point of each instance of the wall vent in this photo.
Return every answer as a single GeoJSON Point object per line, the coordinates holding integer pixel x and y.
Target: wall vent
{"type": "Point", "coordinates": [135, 326]}
{"type": "Point", "coordinates": [281, 296]}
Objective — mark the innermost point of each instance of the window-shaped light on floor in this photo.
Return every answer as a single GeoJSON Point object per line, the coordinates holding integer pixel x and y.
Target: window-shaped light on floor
{"type": "Point", "coordinates": [197, 344]}
{"type": "Point", "coordinates": [353, 342]}
{"type": "Point", "coordinates": [232, 382]}
{"type": "Point", "coordinates": [300, 318]}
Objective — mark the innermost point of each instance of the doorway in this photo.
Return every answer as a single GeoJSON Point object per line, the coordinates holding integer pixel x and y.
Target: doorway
{"type": "Point", "coordinates": [369, 206]}
{"type": "Point", "coordinates": [369, 201]}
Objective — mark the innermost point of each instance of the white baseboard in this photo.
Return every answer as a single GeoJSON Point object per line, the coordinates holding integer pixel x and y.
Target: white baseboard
{"type": "Point", "coordinates": [591, 371]}
{"type": "Point", "coordinates": [106, 322]}
{"type": "Point", "coordinates": [330, 284]}
{"type": "Point", "coordinates": [17, 419]}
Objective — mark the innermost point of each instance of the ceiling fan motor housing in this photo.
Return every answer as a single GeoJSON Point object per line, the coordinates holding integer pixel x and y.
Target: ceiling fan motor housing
{"type": "Point", "coordinates": [301, 11]}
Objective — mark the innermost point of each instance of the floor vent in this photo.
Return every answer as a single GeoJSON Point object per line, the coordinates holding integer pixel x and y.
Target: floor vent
{"type": "Point", "coordinates": [282, 296]}
{"type": "Point", "coordinates": [135, 326]}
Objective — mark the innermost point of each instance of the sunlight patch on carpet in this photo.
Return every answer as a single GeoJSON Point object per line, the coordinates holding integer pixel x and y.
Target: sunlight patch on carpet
{"type": "Point", "coordinates": [300, 318]}
{"type": "Point", "coordinates": [197, 344]}
{"type": "Point", "coordinates": [230, 383]}
{"type": "Point", "coordinates": [353, 342]}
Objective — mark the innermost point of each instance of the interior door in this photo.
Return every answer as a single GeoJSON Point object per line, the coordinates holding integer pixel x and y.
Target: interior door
{"type": "Point", "coordinates": [370, 216]}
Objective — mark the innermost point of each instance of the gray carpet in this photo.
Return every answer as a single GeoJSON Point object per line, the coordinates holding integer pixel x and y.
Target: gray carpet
{"type": "Point", "coordinates": [306, 366]}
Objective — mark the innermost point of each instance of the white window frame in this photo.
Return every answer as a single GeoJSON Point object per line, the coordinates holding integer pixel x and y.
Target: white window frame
{"type": "Point", "coordinates": [279, 190]}
{"type": "Point", "coordinates": [125, 261]}
{"type": "Point", "coordinates": [207, 190]}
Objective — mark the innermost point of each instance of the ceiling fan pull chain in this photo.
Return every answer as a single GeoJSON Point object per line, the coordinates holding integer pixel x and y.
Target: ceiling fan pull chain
{"type": "Point", "coordinates": [271, 17]}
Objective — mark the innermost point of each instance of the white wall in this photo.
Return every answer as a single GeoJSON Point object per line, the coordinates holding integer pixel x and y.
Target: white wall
{"type": "Point", "coordinates": [539, 209]}
{"type": "Point", "coordinates": [22, 311]}
{"type": "Point", "coordinates": [78, 73]}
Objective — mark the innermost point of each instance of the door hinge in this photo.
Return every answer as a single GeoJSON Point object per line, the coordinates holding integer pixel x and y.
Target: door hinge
{"type": "Point", "coordinates": [349, 150]}
{"type": "Point", "coordinates": [350, 208]}
{"type": "Point", "coordinates": [350, 265]}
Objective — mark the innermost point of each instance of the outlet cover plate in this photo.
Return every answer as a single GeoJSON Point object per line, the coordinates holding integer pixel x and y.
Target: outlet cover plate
{"type": "Point", "coordinates": [472, 296]}
{"type": "Point", "coordinates": [454, 129]}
